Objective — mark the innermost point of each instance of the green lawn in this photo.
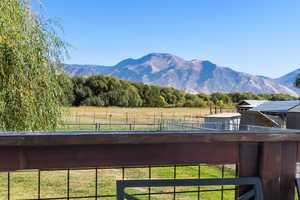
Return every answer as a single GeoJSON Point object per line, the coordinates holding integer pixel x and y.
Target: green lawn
{"type": "Point", "coordinates": [24, 184]}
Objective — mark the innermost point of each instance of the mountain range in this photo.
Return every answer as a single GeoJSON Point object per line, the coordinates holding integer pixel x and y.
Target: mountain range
{"type": "Point", "coordinates": [192, 76]}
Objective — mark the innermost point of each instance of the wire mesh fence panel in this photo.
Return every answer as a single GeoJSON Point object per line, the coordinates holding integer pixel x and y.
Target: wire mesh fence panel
{"type": "Point", "coordinates": [23, 185]}
{"type": "Point", "coordinates": [82, 183]}
{"type": "Point", "coordinates": [107, 181]}
{"type": "Point", "coordinates": [53, 184]}
{"type": "Point", "coordinates": [100, 183]}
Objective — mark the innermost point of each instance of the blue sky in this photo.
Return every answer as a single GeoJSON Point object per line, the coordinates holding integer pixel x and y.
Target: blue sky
{"type": "Point", "coordinates": [255, 36]}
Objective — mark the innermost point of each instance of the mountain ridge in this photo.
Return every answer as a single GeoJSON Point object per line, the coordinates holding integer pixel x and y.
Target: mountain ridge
{"type": "Point", "coordinates": [192, 76]}
{"type": "Point", "coordinates": [289, 79]}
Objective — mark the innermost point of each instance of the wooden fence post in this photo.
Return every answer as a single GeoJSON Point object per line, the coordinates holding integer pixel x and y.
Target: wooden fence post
{"type": "Point", "coordinates": [277, 170]}
{"type": "Point", "coordinates": [274, 163]}
{"type": "Point", "coordinates": [97, 127]}
{"type": "Point", "coordinates": [270, 170]}
{"type": "Point", "coordinates": [288, 170]}
{"type": "Point", "coordinates": [248, 163]}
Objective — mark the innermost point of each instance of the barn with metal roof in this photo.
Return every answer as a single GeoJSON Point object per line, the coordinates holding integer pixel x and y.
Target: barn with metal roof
{"type": "Point", "coordinates": [275, 113]}
{"type": "Point", "coordinates": [276, 106]}
{"type": "Point", "coordinates": [248, 104]}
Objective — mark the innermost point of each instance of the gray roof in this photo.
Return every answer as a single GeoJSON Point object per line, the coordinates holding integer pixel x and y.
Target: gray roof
{"type": "Point", "coordinates": [224, 115]}
{"type": "Point", "coordinates": [276, 106]}
{"type": "Point", "coordinates": [253, 103]}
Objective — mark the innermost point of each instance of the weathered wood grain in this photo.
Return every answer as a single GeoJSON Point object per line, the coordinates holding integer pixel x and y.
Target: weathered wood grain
{"type": "Point", "coordinates": [270, 170]}
{"type": "Point", "coordinates": [248, 163]}
{"type": "Point", "coordinates": [143, 138]}
{"type": "Point", "coordinates": [53, 157]}
{"type": "Point", "coordinates": [288, 170]}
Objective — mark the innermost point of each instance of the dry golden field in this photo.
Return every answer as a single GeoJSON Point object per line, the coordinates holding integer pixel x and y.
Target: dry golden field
{"type": "Point", "coordinates": [132, 115]}
{"type": "Point", "coordinates": [118, 118]}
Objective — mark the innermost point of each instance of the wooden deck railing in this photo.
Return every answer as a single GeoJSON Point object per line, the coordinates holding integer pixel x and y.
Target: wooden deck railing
{"type": "Point", "coordinates": [272, 156]}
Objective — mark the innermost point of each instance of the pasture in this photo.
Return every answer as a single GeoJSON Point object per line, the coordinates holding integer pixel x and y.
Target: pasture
{"type": "Point", "coordinates": [83, 182]}
{"type": "Point", "coordinates": [116, 118]}
{"type": "Point", "coordinates": [83, 117]}
{"type": "Point", "coordinates": [129, 115]}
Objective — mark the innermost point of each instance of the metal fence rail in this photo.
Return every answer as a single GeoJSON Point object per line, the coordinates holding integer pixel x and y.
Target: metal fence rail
{"type": "Point", "coordinates": [255, 193]}
{"type": "Point", "coordinates": [112, 126]}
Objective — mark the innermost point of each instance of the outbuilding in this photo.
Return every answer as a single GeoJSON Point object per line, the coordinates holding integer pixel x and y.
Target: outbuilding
{"type": "Point", "coordinates": [293, 118]}
{"type": "Point", "coordinates": [249, 104]}
{"type": "Point", "coordinates": [223, 121]}
{"type": "Point", "coordinates": [281, 114]}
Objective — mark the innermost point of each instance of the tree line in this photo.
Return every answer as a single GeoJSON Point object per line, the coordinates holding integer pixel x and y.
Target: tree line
{"type": "Point", "coordinates": [104, 90]}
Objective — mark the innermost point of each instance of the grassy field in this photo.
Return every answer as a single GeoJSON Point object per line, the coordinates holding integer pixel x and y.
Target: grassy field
{"type": "Point", "coordinates": [126, 115]}
{"type": "Point", "coordinates": [24, 184]}
{"type": "Point", "coordinates": [83, 116]}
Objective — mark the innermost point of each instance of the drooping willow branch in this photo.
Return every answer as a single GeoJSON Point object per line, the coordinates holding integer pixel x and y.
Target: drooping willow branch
{"type": "Point", "coordinates": [30, 54]}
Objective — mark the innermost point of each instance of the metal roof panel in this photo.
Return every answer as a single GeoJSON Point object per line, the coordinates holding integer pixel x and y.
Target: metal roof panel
{"type": "Point", "coordinates": [254, 103]}
{"type": "Point", "coordinates": [276, 106]}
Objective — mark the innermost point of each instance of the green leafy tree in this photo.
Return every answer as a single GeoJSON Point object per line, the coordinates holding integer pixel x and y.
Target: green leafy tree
{"type": "Point", "coordinates": [191, 97]}
{"type": "Point", "coordinates": [93, 101]}
{"type": "Point", "coordinates": [220, 103]}
{"type": "Point", "coordinates": [204, 97]}
{"type": "Point", "coordinates": [282, 97]}
{"type": "Point", "coordinates": [81, 93]}
{"type": "Point", "coordinates": [134, 98]}
{"type": "Point", "coordinates": [236, 97]}
{"type": "Point", "coordinates": [67, 86]}
{"type": "Point", "coordinates": [199, 102]}
{"type": "Point", "coordinates": [188, 103]}
{"type": "Point", "coordinates": [168, 94]}
{"type": "Point", "coordinates": [265, 96]}
{"type": "Point", "coordinates": [30, 51]}
{"type": "Point", "coordinates": [118, 98]}
{"type": "Point", "coordinates": [162, 101]}
{"type": "Point", "coordinates": [216, 97]}
{"type": "Point", "coordinates": [98, 84]}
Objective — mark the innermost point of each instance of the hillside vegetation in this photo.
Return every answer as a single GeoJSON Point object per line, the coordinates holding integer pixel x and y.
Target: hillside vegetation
{"type": "Point", "coordinates": [191, 76]}
{"type": "Point", "coordinates": [104, 90]}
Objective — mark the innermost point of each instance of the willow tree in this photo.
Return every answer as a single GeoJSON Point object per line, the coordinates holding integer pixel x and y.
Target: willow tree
{"type": "Point", "coordinates": [30, 53]}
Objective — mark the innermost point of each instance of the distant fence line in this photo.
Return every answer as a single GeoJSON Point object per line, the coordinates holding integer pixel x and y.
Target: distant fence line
{"type": "Point", "coordinates": [101, 121]}
{"type": "Point", "coordinates": [131, 126]}
{"type": "Point", "coordinates": [129, 117]}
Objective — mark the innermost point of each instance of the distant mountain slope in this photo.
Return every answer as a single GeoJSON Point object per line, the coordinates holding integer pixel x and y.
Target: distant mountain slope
{"type": "Point", "coordinates": [191, 76]}
{"type": "Point", "coordinates": [289, 80]}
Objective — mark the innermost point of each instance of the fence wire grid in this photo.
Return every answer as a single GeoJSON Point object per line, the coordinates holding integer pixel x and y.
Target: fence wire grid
{"type": "Point", "coordinates": [100, 183]}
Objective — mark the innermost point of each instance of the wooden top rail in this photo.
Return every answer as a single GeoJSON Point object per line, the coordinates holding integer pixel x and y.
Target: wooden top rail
{"type": "Point", "coordinates": [144, 137]}
{"type": "Point", "coordinates": [269, 155]}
